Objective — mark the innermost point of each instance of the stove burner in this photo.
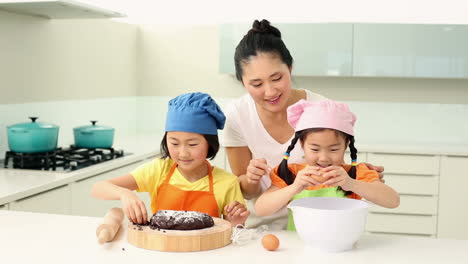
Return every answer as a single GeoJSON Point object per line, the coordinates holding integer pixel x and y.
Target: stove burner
{"type": "Point", "coordinates": [71, 158]}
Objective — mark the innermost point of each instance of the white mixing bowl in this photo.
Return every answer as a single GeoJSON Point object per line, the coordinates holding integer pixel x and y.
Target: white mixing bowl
{"type": "Point", "coordinates": [328, 223]}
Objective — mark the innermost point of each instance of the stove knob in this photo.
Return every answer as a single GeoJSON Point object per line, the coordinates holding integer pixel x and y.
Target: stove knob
{"type": "Point", "coordinates": [96, 158]}
{"type": "Point", "coordinates": [73, 165]}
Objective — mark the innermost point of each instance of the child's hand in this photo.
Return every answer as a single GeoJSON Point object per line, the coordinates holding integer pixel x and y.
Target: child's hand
{"type": "Point", "coordinates": [236, 213]}
{"type": "Point", "coordinates": [133, 207]}
{"type": "Point", "coordinates": [337, 176]}
{"type": "Point", "coordinates": [307, 177]}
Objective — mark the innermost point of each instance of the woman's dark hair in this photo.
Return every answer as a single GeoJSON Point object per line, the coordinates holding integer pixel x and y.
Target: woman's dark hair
{"type": "Point", "coordinates": [261, 38]}
{"type": "Point", "coordinates": [288, 176]}
{"type": "Point", "coordinates": [213, 146]}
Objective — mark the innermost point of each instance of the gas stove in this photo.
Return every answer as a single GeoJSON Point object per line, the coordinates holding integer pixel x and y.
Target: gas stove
{"type": "Point", "coordinates": [67, 159]}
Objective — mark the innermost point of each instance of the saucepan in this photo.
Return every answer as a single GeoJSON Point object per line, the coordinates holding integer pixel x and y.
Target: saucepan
{"type": "Point", "coordinates": [93, 136]}
{"type": "Point", "coordinates": [32, 137]}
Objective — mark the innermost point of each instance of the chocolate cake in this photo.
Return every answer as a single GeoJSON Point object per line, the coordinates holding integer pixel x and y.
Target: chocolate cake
{"type": "Point", "coordinates": [180, 220]}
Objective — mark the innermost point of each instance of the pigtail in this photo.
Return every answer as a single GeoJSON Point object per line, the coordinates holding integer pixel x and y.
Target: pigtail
{"type": "Point", "coordinates": [352, 171]}
{"type": "Point", "coordinates": [283, 169]}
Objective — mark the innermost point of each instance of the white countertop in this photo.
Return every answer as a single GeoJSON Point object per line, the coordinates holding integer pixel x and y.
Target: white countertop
{"type": "Point", "coordinates": [16, 184]}
{"type": "Point", "coordinates": [39, 238]}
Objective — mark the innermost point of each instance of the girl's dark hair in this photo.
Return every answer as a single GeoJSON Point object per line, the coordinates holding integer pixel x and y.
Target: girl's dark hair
{"type": "Point", "coordinates": [261, 38]}
{"type": "Point", "coordinates": [288, 176]}
{"type": "Point", "coordinates": [213, 146]}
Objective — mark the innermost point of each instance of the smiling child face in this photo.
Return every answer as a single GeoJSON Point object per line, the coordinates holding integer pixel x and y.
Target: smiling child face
{"type": "Point", "coordinates": [324, 148]}
{"type": "Point", "coordinates": [189, 150]}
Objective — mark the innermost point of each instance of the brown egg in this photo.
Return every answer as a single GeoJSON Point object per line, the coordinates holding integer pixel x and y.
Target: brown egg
{"type": "Point", "coordinates": [318, 178]}
{"type": "Point", "coordinates": [270, 242]}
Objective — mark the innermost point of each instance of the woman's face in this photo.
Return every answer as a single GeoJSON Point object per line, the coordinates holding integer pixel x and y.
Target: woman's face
{"type": "Point", "coordinates": [268, 81]}
{"type": "Point", "coordinates": [189, 150]}
{"type": "Point", "coordinates": [324, 148]}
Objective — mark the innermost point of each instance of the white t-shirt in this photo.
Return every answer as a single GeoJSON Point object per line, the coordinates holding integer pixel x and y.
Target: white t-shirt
{"type": "Point", "coordinates": [244, 128]}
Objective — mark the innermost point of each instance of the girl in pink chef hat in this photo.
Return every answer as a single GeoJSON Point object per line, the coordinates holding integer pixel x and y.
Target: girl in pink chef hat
{"type": "Point", "coordinates": [324, 129]}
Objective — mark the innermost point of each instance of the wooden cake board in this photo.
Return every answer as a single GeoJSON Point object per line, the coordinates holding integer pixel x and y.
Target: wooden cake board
{"type": "Point", "coordinates": [213, 237]}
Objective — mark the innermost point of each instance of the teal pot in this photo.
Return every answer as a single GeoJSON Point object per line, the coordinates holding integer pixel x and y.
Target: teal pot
{"type": "Point", "coordinates": [32, 137]}
{"type": "Point", "coordinates": [93, 136]}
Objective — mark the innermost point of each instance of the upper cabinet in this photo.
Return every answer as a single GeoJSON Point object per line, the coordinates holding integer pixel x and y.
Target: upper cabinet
{"type": "Point", "coordinates": [317, 49]}
{"type": "Point", "coordinates": [57, 9]}
{"type": "Point", "coordinates": [229, 37]}
{"type": "Point", "coordinates": [421, 51]}
{"type": "Point", "coordinates": [370, 50]}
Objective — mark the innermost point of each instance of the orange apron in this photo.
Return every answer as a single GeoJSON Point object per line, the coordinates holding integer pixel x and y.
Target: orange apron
{"type": "Point", "coordinates": [170, 197]}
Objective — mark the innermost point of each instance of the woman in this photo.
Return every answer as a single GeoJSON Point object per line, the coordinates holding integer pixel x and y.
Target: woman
{"type": "Point", "coordinates": [257, 131]}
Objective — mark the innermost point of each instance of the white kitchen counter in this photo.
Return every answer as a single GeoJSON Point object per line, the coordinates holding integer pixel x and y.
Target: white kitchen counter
{"type": "Point", "coordinates": [16, 184]}
{"type": "Point", "coordinates": [40, 238]}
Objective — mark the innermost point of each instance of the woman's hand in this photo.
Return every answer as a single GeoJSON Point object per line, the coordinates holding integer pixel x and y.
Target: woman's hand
{"type": "Point", "coordinates": [236, 213]}
{"type": "Point", "coordinates": [378, 169]}
{"type": "Point", "coordinates": [133, 207]}
{"type": "Point", "coordinates": [307, 177]}
{"type": "Point", "coordinates": [256, 170]}
{"type": "Point", "coordinates": [337, 176]}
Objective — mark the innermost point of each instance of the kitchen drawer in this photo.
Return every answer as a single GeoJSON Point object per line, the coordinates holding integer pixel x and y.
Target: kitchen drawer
{"type": "Point", "coordinates": [413, 184]}
{"type": "Point", "coordinates": [402, 224]}
{"type": "Point", "coordinates": [411, 204]}
{"type": "Point", "coordinates": [406, 164]}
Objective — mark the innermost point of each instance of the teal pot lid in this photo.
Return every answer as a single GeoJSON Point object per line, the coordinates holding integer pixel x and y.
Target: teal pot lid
{"type": "Point", "coordinates": [34, 125]}
{"type": "Point", "coordinates": [93, 127]}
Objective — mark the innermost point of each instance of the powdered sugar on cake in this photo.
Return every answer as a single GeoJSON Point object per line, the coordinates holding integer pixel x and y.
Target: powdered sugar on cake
{"type": "Point", "coordinates": [180, 220]}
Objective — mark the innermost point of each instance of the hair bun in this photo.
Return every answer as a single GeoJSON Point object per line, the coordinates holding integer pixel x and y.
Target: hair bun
{"type": "Point", "coordinates": [265, 27]}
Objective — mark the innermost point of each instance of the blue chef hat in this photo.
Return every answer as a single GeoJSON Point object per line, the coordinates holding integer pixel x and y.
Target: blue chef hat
{"type": "Point", "coordinates": [196, 113]}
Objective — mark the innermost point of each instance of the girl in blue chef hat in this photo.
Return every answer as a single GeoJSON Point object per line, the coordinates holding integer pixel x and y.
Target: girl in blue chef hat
{"type": "Point", "coordinates": [182, 179]}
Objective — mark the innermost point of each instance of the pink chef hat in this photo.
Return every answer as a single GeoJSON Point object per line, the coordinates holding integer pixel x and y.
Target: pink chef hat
{"type": "Point", "coordinates": [321, 114]}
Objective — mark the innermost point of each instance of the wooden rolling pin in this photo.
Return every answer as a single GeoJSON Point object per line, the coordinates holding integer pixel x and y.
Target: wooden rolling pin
{"type": "Point", "coordinates": [111, 224]}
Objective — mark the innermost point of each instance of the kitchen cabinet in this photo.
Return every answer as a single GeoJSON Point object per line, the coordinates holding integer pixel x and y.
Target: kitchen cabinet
{"type": "Point", "coordinates": [416, 179]}
{"type": "Point", "coordinates": [229, 37]}
{"type": "Point", "coordinates": [453, 213]}
{"type": "Point", "coordinates": [364, 50]}
{"type": "Point", "coordinates": [317, 49]}
{"type": "Point", "coordinates": [54, 201]}
{"type": "Point", "coordinates": [399, 50]}
{"type": "Point", "coordinates": [82, 203]}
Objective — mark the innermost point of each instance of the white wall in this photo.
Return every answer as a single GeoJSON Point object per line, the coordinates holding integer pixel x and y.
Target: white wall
{"type": "Point", "coordinates": [46, 60]}
{"type": "Point", "coordinates": [180, 59]}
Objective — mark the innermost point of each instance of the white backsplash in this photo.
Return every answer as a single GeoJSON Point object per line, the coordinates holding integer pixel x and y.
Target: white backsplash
{"type": "Point", "coordinates": [411, 123]}
{"type": "Point", "coordinates": [390, 123]}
